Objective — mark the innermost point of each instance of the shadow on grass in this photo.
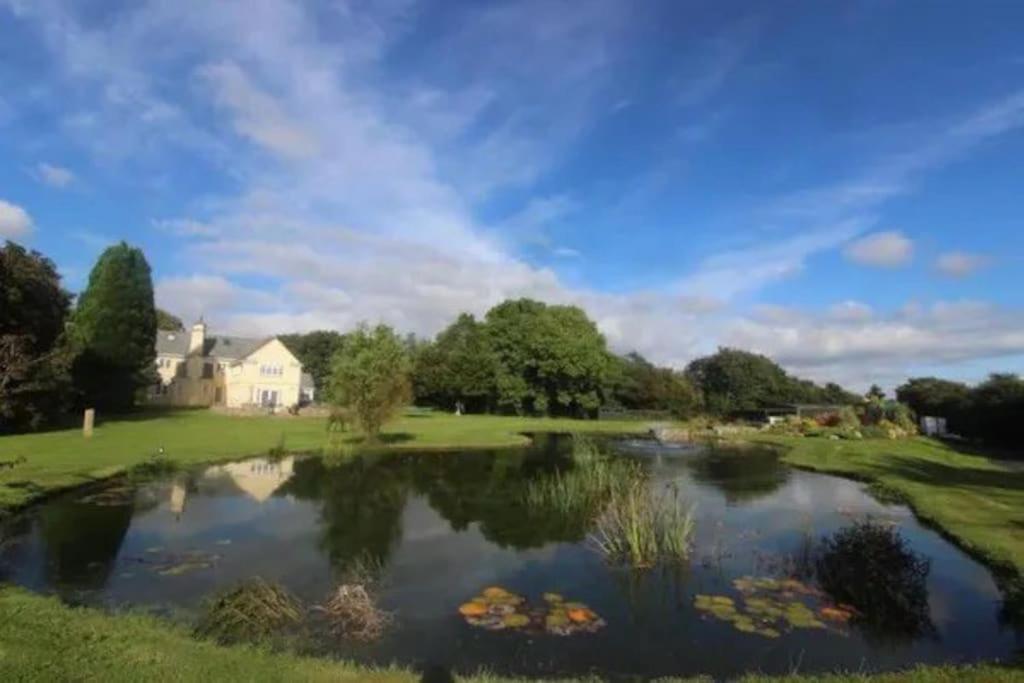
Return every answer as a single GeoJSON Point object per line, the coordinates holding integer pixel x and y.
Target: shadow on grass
{"type": "Point", "coordinates": [939, 474]}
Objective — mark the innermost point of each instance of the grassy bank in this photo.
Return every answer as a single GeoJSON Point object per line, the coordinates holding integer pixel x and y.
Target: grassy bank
{"type": "Point", "coordinates": [53, 460]}
{"type": "Point", "coordinates": [977, 502]}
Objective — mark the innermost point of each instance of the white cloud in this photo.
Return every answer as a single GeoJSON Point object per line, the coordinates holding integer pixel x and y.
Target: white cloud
{"type": "Point", "coordinates": [15, 223]}
{"type": "Point", "coordinates": [881, 249]}
{"type": "Point", "coordinates": [959, 264]}
{"type": "Point", "coordinates": [566, 252]}
{"type": "Point", "coordinates": [55, 176]}
{"type": "Point", "coordinates": [357, 195]}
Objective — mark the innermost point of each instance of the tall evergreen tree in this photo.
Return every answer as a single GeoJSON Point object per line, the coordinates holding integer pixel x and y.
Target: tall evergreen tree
{"type": "Point", "coordinates": [114, 330]}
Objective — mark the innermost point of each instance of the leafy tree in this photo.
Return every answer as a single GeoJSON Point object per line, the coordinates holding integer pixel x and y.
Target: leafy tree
{"type": "Point", "coordinates": [114, 328]}
{"type": "Point", "coordinates": [370, 377]}
{"type": "Point", "coordinates": [33, 363]}
{"type": "Point", "coordinates": [875, 393]}
{"type": "Point", "coordinates": [638, 384]}
{"type": "Point", "coordinates": [835, 394]}
{"type": "Point", "coordinates": [996, 408]}
{"type": "Point", "coordinates": [937, 397]}
{"type": "Point", "coordinates": [733, 381]}
{"type": "Point", "coordinates": [168, 321]}
{"type": "Point", "coordinates": [550, 359]}
{"type": "Point", "coordinates": [458, 367]}
{"type": "Point", "coordinates": [316, 351]}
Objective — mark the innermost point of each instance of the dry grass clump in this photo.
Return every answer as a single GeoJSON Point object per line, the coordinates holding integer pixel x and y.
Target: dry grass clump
{"type": "Point", "coordinates": [353, 613]}
{"type": "Point", "coordinates": [254, 610]}
{"type": "Point", "coordinates": [352, 608]}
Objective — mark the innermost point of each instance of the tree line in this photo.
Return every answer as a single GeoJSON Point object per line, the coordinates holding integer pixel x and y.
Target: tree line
{"type": "Point", "coordinates": [55, 358]}
{"type": "Point", "coordinates": [523, 357]}
{"type": "Point", "coordinates": [991, 411]}
{"type": "Point", "coordinates": [526, 357]}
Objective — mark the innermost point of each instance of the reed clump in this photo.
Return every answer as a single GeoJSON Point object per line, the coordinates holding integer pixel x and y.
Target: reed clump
{"type": "Point", "coordinates": [641, 529]}
{"type": "Point", "coordinates": [255, 610]}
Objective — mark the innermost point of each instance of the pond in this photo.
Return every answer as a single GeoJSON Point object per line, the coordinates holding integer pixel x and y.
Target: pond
{"type": "Point", "coordinates": [443, 527]}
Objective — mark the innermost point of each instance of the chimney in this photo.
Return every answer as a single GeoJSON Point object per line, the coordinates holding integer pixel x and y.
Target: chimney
{"type": "Point", "coordinates": [195, 344]}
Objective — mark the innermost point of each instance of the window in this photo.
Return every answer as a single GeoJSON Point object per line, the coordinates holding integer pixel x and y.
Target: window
{"type": "Point", "coordinates": [207, 370]}
{"type": "Point", "coordinates": [271, 370]}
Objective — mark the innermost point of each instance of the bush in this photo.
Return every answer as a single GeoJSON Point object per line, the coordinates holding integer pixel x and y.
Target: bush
{"type": "Point", "coordinates": [869, 566]}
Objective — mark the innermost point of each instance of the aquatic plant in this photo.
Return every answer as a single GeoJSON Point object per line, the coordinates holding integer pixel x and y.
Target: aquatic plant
{"type": "Point", "coordinates": [497, 609]}
{"type": "Point", "coordinates": [252, 611]}
{"type": "Point", "coordinates": [769, 607]}
{"type": "Point", "coordinates": [640, 529]}
{"type": "Point", "coordinates": [868, 565]}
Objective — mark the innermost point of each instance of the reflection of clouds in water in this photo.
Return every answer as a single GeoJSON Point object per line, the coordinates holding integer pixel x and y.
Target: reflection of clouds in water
{"type": "Point", "coordinates": [434, 569]}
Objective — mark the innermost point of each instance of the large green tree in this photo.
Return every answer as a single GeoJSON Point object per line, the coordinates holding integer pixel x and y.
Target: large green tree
{"type": "Point", "coordinates": [459, 367]}
{"type": "Point", "coordinates": [931, 396]}
{"type": "Point", "coordinates": [315, 350]}
{"type": "Point", "coordinates": [33, 364]}
{"type": "Point", "coordinates": [638, 384]}
{"type": "Point", "coordinates": [370, 377]}
{"type": "Point", "coordinates": [551, 359]}
{"type": "Point", "coordinates": [114, 328]}
{"type": "Point", "coordinates": [734, 381]}
{"type": "Point", "coordinates": [996, 409]}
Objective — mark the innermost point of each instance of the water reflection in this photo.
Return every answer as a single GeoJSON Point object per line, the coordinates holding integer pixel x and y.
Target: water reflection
{"type": "Point", "coordinates": [82, 541]}
{"type": "Point", "coordinates": [741, 474]}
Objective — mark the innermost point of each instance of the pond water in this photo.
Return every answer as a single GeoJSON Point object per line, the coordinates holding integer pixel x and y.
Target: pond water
{"type": "Point", "coordinates": [445, 526]}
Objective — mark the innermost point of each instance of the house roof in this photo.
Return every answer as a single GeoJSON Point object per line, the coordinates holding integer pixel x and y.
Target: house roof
{"type": "Point", "coordinates": [214, 346]}
{"type": "Point", "coordinates": [307, 381]}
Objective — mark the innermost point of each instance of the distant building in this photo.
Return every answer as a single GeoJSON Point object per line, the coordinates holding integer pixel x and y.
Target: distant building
{"type": "Point", "coordinates": [933, 426]}
{"type": "Point", "coordinates": [779, 413]}
{"type": "Point", "coordinates": [200, 370]}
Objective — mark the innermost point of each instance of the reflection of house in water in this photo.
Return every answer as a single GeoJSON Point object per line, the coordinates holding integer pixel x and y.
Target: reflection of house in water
{"type": "Point", "coordinates": [178, 497]}
{"type": "Point", "coordinates": [257, 478]}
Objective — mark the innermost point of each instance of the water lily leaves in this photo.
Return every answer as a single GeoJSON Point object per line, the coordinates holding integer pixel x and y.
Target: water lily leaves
{"type": "Point", "coordinates": [498, 609]}
{"type": "Point", "coordinates": [772, 606]}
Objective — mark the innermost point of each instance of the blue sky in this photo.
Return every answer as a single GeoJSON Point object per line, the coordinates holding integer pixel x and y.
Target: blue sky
{"type": "Point", "coordinates": [835, 184]}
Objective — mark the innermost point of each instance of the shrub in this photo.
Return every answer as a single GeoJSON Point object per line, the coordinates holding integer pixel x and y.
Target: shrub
{"type": "Point", "coordinates": [869, 566]}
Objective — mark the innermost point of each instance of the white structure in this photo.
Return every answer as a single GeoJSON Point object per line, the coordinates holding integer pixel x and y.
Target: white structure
{"type": "Point", "coordinates": [200, 370]}
{"type": "Point", "coordinates": [933, 426]}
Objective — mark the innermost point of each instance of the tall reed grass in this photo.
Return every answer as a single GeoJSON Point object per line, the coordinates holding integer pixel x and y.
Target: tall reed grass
{"type": "Point", "coordinates": [640, 528]}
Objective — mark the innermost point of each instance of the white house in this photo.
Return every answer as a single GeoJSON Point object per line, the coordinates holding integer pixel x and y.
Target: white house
{"type": "Point", "coordinates": [197, 369]}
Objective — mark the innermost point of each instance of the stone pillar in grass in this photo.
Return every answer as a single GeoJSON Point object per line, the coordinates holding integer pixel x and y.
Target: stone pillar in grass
{"type": "Point", "coordinates": [87, 422]}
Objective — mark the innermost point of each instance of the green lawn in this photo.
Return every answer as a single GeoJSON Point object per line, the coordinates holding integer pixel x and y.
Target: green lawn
{"type": "Point", "coordinates": [61, 459]}
{"type": "Point", "coordinates": [978, 502]}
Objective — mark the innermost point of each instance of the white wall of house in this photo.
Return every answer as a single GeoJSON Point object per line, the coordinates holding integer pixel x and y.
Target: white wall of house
{"type": "Point", "coordinates": [271, 374]}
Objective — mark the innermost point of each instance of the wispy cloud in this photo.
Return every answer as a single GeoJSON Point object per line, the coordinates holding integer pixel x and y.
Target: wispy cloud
{"type": "Point", "coordinates": [960, 264]}
{"type": "Point", "coordinates": [54, 176]}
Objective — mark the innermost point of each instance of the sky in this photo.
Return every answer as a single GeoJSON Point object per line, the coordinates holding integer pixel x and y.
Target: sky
{"type": "Point", "coordinates": [838, 185]}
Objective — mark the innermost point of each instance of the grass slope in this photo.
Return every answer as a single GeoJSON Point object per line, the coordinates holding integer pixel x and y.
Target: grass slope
{"type": "Point", "coordinates": [61, 459]}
